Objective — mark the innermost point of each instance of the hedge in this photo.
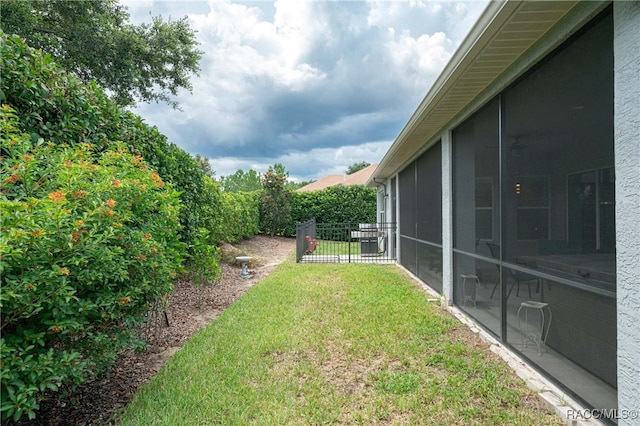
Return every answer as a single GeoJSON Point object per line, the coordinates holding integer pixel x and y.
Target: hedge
{"type": "Point", "coordinates": [336, 204]}
{"type": "Point", "coordinates": [89, 243]}
{"type": "Point", "coordinates": [57, 107]}
{"type": "Point", "coordinates": [239, 216]}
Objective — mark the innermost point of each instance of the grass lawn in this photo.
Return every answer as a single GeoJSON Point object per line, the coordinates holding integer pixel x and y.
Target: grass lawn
{"type": "Point", "coordinates": [328, 247]}
{"type": "Point", "coordinates": [341, 344]}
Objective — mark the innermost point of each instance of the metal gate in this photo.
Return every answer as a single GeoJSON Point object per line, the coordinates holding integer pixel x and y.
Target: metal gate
{"type": "Point", "coordinates": [345, 242]}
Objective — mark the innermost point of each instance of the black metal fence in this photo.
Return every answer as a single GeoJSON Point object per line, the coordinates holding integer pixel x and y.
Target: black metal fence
{"type": "Point", "coordinates": [345, 242]}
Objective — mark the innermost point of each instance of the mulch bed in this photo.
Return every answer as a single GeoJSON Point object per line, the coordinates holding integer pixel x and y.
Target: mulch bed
{"type": "Point", "coordinates": [190, 308]}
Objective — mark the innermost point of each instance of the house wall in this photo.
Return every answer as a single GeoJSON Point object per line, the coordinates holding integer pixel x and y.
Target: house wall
{"type": "Point", "coordinates": [627, 163]}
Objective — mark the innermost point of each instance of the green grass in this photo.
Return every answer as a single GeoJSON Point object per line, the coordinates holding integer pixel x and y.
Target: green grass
{"type": "Point", "coordinates": [336, 344]}
{"type": "Point", "coordinates": [328, 247]}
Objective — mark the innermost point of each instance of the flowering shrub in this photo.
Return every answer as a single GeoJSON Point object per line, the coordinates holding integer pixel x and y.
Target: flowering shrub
{"type": "Point", "coordinates": [58, 107]}
{"type": "Point", "coordinates": [89, 242]}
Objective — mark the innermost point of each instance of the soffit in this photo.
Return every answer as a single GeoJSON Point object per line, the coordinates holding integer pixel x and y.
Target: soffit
{"type": "Point", "coordinates": [503, 33]}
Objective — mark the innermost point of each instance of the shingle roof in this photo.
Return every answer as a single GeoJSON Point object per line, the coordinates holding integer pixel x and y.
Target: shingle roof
{"type": "Point", "coordinates": [358, 178]}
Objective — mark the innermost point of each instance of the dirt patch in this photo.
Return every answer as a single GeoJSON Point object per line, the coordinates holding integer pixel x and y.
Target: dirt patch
{"type": "Point", "coordinates": [189, 309]}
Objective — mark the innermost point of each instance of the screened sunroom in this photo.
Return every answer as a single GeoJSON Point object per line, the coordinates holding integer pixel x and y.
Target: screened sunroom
{"type": "Point", "coordinates": [504, 184]}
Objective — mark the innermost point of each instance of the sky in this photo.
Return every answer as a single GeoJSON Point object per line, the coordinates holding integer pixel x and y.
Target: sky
{"type": "Point", "coordinates": [314, 85]}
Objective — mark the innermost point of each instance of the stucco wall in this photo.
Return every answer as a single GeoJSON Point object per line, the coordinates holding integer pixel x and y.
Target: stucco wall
{"type": "Point", "coordinates": [627, 161]}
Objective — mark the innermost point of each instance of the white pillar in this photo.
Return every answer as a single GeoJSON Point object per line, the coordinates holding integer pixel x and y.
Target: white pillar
{"type": "Point", "coordinates": [447, 218]}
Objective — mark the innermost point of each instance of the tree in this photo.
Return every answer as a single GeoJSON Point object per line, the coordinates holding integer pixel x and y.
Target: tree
{"type": "Point", "coordinates": [357, 167]}
{"type": "Point", "coordinates": [204, 163]}
{"type": "Point", "coordinates": [241, 181]}
{"type": "Point", "coordinates": [94, 40]}
{"type": "Point", "coordinates": [292, 186]}
{"type": "Point", "coordinates": [279, 169]}
{"type": "Point", "coordinates": [275, 206]}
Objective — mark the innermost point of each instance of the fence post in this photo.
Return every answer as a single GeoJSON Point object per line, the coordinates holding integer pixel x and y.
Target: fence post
{"type": "Point", "coordinates": [349, 240]}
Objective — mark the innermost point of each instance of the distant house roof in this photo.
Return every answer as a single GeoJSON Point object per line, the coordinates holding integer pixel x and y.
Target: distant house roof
{"type": "Point", "coordinates": [358, 178]}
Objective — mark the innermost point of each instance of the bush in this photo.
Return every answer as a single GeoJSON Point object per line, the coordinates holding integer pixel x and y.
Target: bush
{"type": "Point", "coordinates": [239, 216]}
{"type": "Point", "coordinates": [50, 103]}
{"type": "Point", "coordinates": [89, 243]}
{"type": "Point", "coordinates": [336, 204]}
{"type": "Point", "coordinates": [56, 106]}
{"type": "Point", "coordinates": [275, 204]}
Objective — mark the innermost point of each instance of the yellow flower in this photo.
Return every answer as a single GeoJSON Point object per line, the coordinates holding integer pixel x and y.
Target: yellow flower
{"type": "Point", "coordinates": [63, 271]}
{"type": "Point", "coordinates": [111, 202]}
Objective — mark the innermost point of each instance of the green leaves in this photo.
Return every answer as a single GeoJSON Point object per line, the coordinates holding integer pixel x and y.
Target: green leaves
{"type": "Point", "coordinates": [241, 181]}
{"type": "Point", "coordinates": [239, 216]}
{"type": "Point", "coordinates": [99, 212]}
{"type": "Point", "coordinates": [92, 241]}
{"type": "Point", "coordinates": [55, 106]}
{"type": "Point", "coordinates": [275, 206]}
{"type": "Point", "coordinates": [94, 40]}
{"type": "Point", "coordinates": [336, 204]}
{"type": "Point", "coordinates": [357, 167]}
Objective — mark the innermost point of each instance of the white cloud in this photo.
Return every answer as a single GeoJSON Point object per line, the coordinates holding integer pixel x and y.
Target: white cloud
{"type": "Point", "coordinates": [420, 59]}
{"type": "Point", "coordinates": [330, 161]}
{"type": "Point", "coordinates": [241, 48]}
{"type": "Point", "coordinates": [309, 84]}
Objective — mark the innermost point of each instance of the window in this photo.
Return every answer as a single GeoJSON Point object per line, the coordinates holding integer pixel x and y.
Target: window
{"type": "Point", "coordinates": [484, 209]}
{"type": "Point", "coordinates": [476, 164]}
{"type": "Point", "coordinates": [590, 210]}
{"type": "Point", "coordinates": [420, 191]}
{"type": "Point", "coordinates": [532, 199]}
{"type": "Point", "coordinates": [533, 212]}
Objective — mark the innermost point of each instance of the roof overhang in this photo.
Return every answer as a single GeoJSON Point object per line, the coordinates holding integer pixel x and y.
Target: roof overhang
{"type": "Point", "coordinates": [502, 34]}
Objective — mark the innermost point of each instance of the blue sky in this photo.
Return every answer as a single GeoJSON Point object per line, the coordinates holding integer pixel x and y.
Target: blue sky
{"type": "Point", "coordinates": [314, 85]}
